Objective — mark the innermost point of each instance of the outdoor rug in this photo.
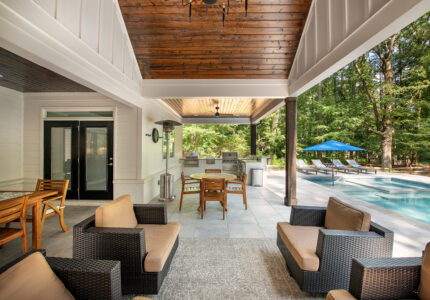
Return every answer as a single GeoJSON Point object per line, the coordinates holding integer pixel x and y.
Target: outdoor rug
{"type": "Point", "coordinates": [229, 269]}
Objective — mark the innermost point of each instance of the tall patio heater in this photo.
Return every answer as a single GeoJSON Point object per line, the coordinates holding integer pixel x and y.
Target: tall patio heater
{"type": "Point", "coordinates": [167, 180]}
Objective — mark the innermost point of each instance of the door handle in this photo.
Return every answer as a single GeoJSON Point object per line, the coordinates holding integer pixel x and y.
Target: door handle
{"type": "Point", "coordinates": [110, 164]}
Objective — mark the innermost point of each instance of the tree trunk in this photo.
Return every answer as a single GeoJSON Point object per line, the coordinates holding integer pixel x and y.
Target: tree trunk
{"type": "Point", "coordinates": [386, 146]}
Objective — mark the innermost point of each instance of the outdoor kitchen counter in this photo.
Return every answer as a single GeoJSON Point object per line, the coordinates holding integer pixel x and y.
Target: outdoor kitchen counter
{"type": "Point", "coordinates": [216, 163]}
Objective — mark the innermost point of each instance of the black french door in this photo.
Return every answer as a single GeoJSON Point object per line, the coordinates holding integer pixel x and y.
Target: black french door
{"type": "Point", "coordinates": [81, 151]}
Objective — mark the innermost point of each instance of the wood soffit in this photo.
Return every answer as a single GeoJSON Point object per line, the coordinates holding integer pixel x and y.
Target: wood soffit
{"type": "Point", "coordinates": [260, 46]}
{"type": "Point", "coordinates": [228, 107]}
{"type": "Point", "coordinates": [27, 77]}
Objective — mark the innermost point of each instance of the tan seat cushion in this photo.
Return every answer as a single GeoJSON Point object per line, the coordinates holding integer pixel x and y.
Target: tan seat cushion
{"type": "Point", "coordinates": [341, 216]}
{"type": "Point", "coordinates": [117, 213]}
{"type": "Point", "coordinates": [302, 243]}
{"type": "Point", "coordinates": [159, 241]}
{"type": "Point", "coordinates": [32, 278]}
{"type": "Point", "coordinates": [141, 298]}
{"type": "Point", "coordinates": [424, 289]}
{"type": "Point", "coordinates": [340, 295]}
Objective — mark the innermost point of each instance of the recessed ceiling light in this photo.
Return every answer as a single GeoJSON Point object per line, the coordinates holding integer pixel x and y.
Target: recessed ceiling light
{"type": "Point", "coordinates": [1, 76]}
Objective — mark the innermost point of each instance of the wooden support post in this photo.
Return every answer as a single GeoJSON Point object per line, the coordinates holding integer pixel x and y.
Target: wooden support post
{"type": "Point", "coordinates": [253, 139]}
{"type": "Point", "coordinates": [291, 143]}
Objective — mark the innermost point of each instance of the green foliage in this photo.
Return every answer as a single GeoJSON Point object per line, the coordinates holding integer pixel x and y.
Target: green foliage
{"type": "Point", "coordinates": [210, 140]}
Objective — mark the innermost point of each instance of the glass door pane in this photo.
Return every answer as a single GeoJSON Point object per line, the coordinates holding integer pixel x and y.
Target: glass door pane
{"type": "Point", "coordinates": [61, 153]}
{"type": "Point", "coordinates": [96, 159]}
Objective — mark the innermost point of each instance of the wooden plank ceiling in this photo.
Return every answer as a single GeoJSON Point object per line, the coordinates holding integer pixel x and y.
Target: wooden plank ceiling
{"type": "Point", "coordinates": [25, 76]}
{"type": "Point", "coordinates": [261, 45]}
{"type": "Point", "coordinates": [205, 107]}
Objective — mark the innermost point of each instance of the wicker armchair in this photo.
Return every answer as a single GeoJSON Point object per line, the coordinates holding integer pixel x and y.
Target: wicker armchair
{"type": "Point", "coordinates": [388, 278]}
{"type": "Point", "coordinates": [127, 245]}
{"type": "Point", "coordinates": [335, 250]}
{"type": "Point", "coordinates": [83, 278]}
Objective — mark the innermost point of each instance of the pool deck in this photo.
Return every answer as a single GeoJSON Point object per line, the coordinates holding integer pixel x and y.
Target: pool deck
{"type": "Point", "coordinates": [410, 235]}
{"type": "Point", "coordinates": [266, 208]}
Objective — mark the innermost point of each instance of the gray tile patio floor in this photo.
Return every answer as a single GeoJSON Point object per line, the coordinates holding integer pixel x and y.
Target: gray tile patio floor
{"type": "Point", "coordinates": [266, 208]}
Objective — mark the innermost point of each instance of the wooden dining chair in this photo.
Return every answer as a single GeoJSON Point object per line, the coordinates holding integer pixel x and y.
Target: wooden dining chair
{"type": "Point", "coordinates": [49, 208]}
{"type": "Point", "coordinates": [10, 210]}
{"type": "Point", "coordinates": [189, 186]}
{"type": "Point", "coordinates": [238, 187]}
{"type": "Point", "coordinates": [213, 190]}
{"type": "Point", "coordinates": [212, 170]}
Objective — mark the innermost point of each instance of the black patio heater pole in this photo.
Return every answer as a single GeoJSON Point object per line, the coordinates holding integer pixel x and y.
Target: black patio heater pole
{"type": "Point", "coordinates": [332, 169]}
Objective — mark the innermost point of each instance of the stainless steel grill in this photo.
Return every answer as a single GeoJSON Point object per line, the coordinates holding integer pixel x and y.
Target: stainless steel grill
{"type": "Point", "coordinates": [230, 162]}
{"type": "Point", "coordinates": [229, 157]}
{"type": "Point", "coordinates": [191, 159]}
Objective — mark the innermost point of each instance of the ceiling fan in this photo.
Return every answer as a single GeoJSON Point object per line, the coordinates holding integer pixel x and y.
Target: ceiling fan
{"type": "Point", "coordinates": [218, 114]}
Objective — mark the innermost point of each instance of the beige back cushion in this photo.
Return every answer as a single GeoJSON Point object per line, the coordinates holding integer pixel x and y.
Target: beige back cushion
{"type": "Point", "coordinates": [32, 278]}
{"type": "Point", "coordinates": [424, 289]}
{"type": "Point", "coordinates": [117, 213]}
{"type": "Point", "coordinates": [342, 216]}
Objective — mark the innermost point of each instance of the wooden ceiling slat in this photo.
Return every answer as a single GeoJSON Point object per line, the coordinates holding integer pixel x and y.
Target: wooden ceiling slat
{"type": "Point", "coordinates": [291, 19]}
{"type": "Point", "coordinates": [174, 44]}
{"type": "Point", "coordinates": [220, 67]}
{"type": "Point", "coordinates": [225, 38]}
{"type": "Point", "coordinates": [199, 31]}
{"type": "Point", "coordinates": [25, 76]}
{"type": "Point", "coordinates": [261, 45]}
{"type": "Point", "coordinates": [225, 51]}
{"type": "Point", "coordinates": [174, 9]}
{"type": "Point", "coordinates": [134, 3]}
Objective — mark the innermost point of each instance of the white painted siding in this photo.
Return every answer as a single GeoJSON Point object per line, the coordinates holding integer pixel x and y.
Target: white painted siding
{"type": "Point", "coordinates": [90, 25]}
{"type": "Point", "coordinates": [11, 127]}
{"type": "Point", "coordinates": [69, 14]}
{"type": "Point", "coordinates": [100, 25]}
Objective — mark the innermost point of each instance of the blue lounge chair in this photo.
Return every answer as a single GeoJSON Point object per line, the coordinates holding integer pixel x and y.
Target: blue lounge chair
{"type": "Point", "coordinates": [320, 166]}
{"type": "Point", "coordinates": [355, 165]}
{"type": "Point", "coordinates": [341, 167]}
{"type": "Point", "coordinates": [302, 166]}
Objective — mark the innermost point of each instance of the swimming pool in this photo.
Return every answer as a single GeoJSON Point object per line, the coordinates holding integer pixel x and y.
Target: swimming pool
{"type": "Point", "coordinates": [409, 198]}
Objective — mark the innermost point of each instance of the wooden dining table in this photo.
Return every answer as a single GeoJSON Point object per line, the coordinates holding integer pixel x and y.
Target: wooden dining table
{"type": "Point", "coordinates": [35, 201]}
{"type": "Point", "coordinates": [226, 176]}
{"type": "Point", "coordinates": [200, 176]}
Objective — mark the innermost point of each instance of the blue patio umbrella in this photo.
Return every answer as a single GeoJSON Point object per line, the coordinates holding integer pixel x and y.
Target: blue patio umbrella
{"type": "Point", "coordinates": [332, 146]}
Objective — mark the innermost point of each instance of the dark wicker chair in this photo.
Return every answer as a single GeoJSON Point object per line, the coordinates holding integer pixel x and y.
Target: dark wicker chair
{"type": "Point", "coordinates": [335, 250]}
{"type": "Point", "coordinates": [84, 278]}
{"type": "Point", "coordinates": [383, 278]}
{"type": "Point", "coordinates": [126, 245]}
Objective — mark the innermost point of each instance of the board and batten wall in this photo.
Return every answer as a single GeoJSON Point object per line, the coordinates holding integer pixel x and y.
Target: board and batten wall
{"type": "Point", "coordinates": [100, 25]}
{"type": "Point", "coordinates": [137, 160]}
{"type": "Point", "coordinates": [11, 137]}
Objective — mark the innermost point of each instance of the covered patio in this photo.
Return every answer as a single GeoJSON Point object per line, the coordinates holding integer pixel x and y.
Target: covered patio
{"type": "Point", "coordinates": [105, 72]}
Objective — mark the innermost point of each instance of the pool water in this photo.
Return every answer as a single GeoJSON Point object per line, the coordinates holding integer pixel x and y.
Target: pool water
{"type": "Point", "coordinates": [405, 197]}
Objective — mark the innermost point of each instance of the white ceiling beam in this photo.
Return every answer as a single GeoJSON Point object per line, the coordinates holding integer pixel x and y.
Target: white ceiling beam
{"type": "Point", "coordinates": [190, 88]}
